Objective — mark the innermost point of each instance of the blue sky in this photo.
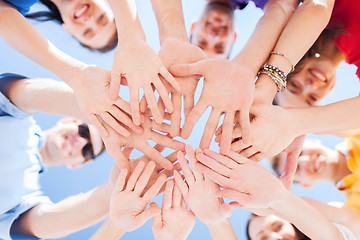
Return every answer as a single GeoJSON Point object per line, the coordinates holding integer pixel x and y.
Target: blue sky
{"type": "Point", "coordinates": [59, 183]}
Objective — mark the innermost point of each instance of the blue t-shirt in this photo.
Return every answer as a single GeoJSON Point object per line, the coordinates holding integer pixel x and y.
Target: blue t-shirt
{"type": "Point", "coordinates": [240, 4]}
{"type": "Point", "coordinates": [20, 161]}
{"type": "Point", "coordinates": [22, 6]}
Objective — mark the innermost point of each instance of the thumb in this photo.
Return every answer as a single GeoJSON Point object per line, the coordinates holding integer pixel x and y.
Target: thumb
{"type": "Point", "coordinates": [157, 217]}
{"type": "Point", "coordinates": [184, 70]}
{"type": "Point", "coordinates": [225, 210]}
{"type": "Point", "coordinates": [152, 211]}
{"type": "Point", "coordinates": [287, 177]}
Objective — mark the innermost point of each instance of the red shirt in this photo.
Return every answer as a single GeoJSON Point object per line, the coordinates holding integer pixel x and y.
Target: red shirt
{"type": "Point", "coordinates": [346, 13]}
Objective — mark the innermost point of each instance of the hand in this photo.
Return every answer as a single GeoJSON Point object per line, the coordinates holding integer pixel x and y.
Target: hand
{"type": "Point", "coordinates": [228, 87]}
{"type": "Point", "coordinates": [115, 142]}
{"type": "Point", "coordinates": [135, 61]}
{"type": "Point", "coordinates": [158, 169]}
{"type": "Point", "coordinates": [173, 52]}
{"type": "Point", "coordinates": [273, 129]}
{"type": "Point", "coordinates": [127, 205]}
{"type": "Point", "coordinates": [175, 221]}
{"type": "Point", "coordinates": [199, 192]}
{"type": "Point", "coordinates": [91, 89]}
{"type": "Point", "coordinates": [245, 181]}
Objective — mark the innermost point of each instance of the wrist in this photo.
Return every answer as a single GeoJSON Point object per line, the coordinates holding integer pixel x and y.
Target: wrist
{"type": "Point", "coordinates": [281, 199]}
{"type": "Point", "coordinates": [265, 89]}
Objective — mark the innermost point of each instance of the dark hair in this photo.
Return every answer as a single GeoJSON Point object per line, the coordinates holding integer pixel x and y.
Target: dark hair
{"type": "Point", "coordinates": [299, 234]}
{"type": "Point", "coordinates": [321, 46]}
{"type": "Point", "coordinates": [53, 14]}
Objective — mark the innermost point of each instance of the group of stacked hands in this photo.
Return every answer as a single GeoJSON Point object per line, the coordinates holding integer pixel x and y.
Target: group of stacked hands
{"type": "Point", "coordinates": [246, 136]}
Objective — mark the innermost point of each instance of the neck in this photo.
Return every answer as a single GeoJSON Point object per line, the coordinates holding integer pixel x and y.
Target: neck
{"type": "Point", "coordinates": [341, 169]}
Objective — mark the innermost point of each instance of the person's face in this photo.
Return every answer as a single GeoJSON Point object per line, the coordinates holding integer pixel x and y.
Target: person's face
{"type": "Point", "coordinates": [68, 144]}
{"type": "Point", "coordinates": [270, 228]}
{"type": "Point", "coordinates": [91, 22]}
{"type": "Point", "coordinates": [214, 33]}
{"type": "Point", "coordinates": [310, 85]}
{"type": "Point", "coordinates": [316, 163]}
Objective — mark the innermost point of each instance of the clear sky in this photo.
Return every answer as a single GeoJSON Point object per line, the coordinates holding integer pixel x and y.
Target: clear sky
{"type": "Point", "coordinates": [60, 182]}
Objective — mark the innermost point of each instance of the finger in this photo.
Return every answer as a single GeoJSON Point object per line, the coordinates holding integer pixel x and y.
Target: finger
{"type": "Point", "coordinates": [155, 188]}
{"type": "Point", "coordinates": [237, 157]}
{"type": "Point", "coordinates": [192, 118]}
{"type": "Point", "coordinates": [291, 163]}
{"type": "Point", "coordinates": [154, 155]}
{"type": "Point", "coordinates": [248, 152]}
{"type": "Point", "coordinates": [235, 205]}
{"type": "Point", "coordinates": [162, 111]}
{"type": "Point", "coordinates": [150, 98]}
{"type": "Point", "coordinates": [111, 121]}
{"type": "Point", "coordinates": [245, 125]}
{"type": "Point", "coordinates": [257, 157]}
{"type": "Point", "coordinates": [160, 148]}
{"type": "Point", "coordinates": [218, 131]}
{"type": "Point", "coordinates": [96, 122]}
{"type": "Point", "coordinates": [120, 182]}
{"type": "Point", "coordinates": [143, 217]}
{"type": "Point", "coordinates": [224, 160]}
{"type": "Point", "coordinates": [238, 146]}
{"type": "Point", "coordinates": [144, 177]}
{"type": "Point", "coordinates": [176, 200]}
{"type": "Point", "coordinates": [164, 95]}
{"type": "Point", "coordinates": [120, 160]}
{"type": "Point", "coordinates": [193, 161]}
{"type": "Point", "coordinates": [227, 128]}
{"type": "Point", "coordinates": [184, 70]}
{"type": "Point", "coordinates": [135, 175]}
{"type": "Point", "coordinates": [127, 151]}
{"type": "Point", "coordinates": [188, 104]}
{"type": "Point", "coordinates": [172, 157]}
{"type": "Point", "coordinates": [189, 176]}
{"type": "Point", "coordinates": [241, 198]}
{"type": "Point", "coordinates": [210, 128]}
{"type": "Point", "coordinates": [176, 115]}
{"type": "Point", "coordinates": [123, 105]}
{"type": "Point", "coordinates": [225, 210]}
{"type": "Point", "coordinates": [134, 104]}
{"type": "Point", "coordinates": [143, 104]}
{"type": "Point", "coordinates": [115, 84]}
{"type": "Point", "coordinates": [167, 198]}
{"type": "Point", "coordinates": [236, 131]}
{"type": "Point", "coordinates": [214, 176]}
{"type": "Point", "coordinates": [184, 189]}
{"type": "Point", "coordinates": [214, 165]}
{"type": "Point", "coordinates": [166, 141]}
{"type": "Point", "coordinates": [157, 219]}
{"type": "Point", "coordinates": [169, 78]}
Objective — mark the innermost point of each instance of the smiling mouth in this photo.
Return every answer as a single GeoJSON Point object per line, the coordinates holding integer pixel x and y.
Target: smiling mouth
{"type": "Point", "coordinates": [80, 11]}
{"type": "Point", "coordinates": [318, 75]}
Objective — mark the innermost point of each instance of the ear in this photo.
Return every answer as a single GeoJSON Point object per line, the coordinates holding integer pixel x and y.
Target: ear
{"type": "Point", "coordinates": [235, 36]}
{"type": "Point", "coordinates": [74, 165]}
{"type": "Point", "coordinates": [192, 28]}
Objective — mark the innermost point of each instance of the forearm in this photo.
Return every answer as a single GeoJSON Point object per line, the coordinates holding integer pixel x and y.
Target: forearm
{"type": "Point", "coordinates": [34, 95]}
{"type": "Point", "coordinates": [311, 18]}
{"type": "Point", "coordinates": [295, 210]}
{"type": "Point", "coordinates": [337, 116]}
{"type": "Point", "coordinates": [107, 231]}
{"type": "Point", "coordinates": [70, 215]}
{"type": "Point", "coordinates": [27, 40]}
{"type": "Point", "coordinates": [170, 19]}
{"type": "Point", "coordinates": [126, 19]}
{"type": "Point", "coordinates": [222, 230]}
{"type": "Point", "coordinates": [267, 31]}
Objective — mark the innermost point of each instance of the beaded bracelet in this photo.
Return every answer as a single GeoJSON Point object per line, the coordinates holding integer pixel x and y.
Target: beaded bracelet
{"type": "Point", "coordinates": [282, 55]}
{"type": "Point", "coordinates": [275, 74]}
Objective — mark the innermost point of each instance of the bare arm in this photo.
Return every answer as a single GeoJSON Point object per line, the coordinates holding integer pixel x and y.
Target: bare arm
{"type": "Point", "coordinates": [222, 230]}
{"type": "Point", "coordinates": [44, 95]}
{"type": "Point", "coordinates": [67, 216]}
{"type": "Point", "coordinates": [170, 19]}
{"type": "Point", "coordinates": [26, 39]}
